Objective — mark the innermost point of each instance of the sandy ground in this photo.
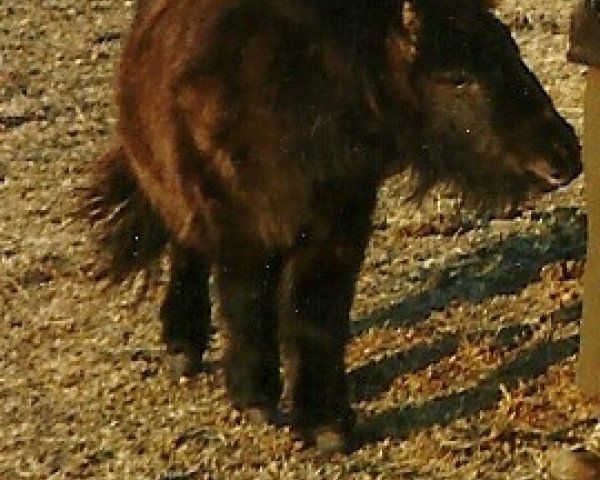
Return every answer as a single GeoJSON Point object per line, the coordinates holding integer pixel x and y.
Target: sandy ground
{"type": "Point", "coordinates": [465, 328]}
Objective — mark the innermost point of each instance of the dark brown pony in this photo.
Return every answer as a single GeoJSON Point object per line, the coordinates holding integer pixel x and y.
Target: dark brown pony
{"type": "Point", "coordinates": [252, 137]}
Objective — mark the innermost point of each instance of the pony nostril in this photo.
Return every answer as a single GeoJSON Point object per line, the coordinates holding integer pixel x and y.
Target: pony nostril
{"type": "Point", "coordinates": [572, 161]}
{"type": "Point", "coordinates": [571, 152]}
{"type": "Point", "coordinates": [576, 168]}
{"type": "Point", "coordinates": [566, 161]}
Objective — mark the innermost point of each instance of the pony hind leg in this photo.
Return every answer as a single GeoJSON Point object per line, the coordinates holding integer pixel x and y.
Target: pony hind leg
{"type": "Point", "coordinates": [186, 310]}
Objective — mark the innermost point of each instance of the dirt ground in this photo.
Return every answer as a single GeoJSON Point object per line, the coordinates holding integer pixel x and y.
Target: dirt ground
{"type": "Point", "coordinates": [465, 327]}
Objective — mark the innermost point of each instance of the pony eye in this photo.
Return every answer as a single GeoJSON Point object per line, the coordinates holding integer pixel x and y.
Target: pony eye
{"type": "Point", "coordinates": [459, 79]}
{"type": "Point", "coordinates": [454, 78]}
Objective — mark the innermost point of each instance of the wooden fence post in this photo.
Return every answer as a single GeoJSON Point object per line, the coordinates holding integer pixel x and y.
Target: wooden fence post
{"type": "Point", "coordinates": [588, 377]}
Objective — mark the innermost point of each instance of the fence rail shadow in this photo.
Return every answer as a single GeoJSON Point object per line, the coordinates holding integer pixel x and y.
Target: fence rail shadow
{"type": "Point", "coordinates": [505, 267]}
{"type": "Point", "coordinates": [529, 364]}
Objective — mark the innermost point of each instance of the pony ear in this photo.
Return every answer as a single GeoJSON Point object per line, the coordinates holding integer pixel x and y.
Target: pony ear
{"type": "Point", "coordinates": [407, 32]}
{"type": "Point", "coordinates": [410, 19]}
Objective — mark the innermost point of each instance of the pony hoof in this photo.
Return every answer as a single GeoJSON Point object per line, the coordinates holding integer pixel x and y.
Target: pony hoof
{"type": "Point", "coordinates": [181, 365]}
